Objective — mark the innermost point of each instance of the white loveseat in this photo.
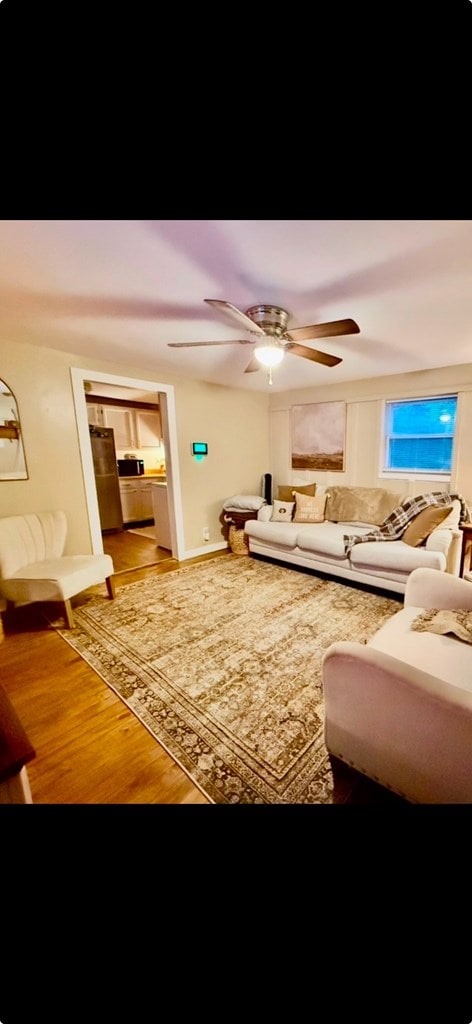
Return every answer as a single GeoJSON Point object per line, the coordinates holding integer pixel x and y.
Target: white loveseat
{"type": "Point", "coordinates": [399, 708]}
{"type": "Point", "coordinates": [385, 564]}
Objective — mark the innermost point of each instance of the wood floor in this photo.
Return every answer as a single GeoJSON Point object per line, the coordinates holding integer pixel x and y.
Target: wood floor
{"type": "Point", "coordinates": [90, 748]}
{"type": "Point", "coordinates": [129, 551]}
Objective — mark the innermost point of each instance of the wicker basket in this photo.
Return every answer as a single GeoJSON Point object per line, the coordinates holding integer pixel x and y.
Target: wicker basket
{"type": "Point", "coordinates": [238, 541]}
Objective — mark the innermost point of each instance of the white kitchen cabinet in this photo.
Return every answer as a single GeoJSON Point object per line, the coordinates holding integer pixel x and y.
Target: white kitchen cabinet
{"type": "Point", "coordinates": [136, 500]}
{"type": "Point", "coordinates": [146, 499]}
{"type": "Point", "coordinates": [108, 416]}
{"type": "Point", "coordinates": [133, 428]}
{"type": "Point", "coordinates": [161, 516]}
{"type": "Point", "coordinates": [130, 501]}
{"type": "Point", "coordinates": [122, 422]}
{"type": "Point", "coordinates": [148, 428]}
{"type": "Point", "coordinates": [95, 414]}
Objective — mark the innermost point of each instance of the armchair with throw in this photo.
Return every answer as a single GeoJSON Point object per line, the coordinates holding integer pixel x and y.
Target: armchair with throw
{"type": "Point", "coordinates": [399, 708]}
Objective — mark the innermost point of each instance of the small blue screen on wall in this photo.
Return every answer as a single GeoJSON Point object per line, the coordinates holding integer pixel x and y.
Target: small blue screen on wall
{"type": "Point", "coordinates": [199, 448]}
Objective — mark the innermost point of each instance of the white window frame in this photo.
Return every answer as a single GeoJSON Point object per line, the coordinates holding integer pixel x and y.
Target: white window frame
{"type": "Point", "coordinates": [417, 474]}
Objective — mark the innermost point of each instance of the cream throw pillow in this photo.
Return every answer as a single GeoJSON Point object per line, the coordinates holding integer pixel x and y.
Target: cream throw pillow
{"type": "Point", "coordinates": [454, 515]}
{"type": "Point", "coordinates": [282, 511]}
{"type": "Point", "coordinates": [309, 509]}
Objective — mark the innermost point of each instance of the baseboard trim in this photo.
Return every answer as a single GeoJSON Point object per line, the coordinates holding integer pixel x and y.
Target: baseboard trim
{"type": "Point", "coordinates": [204, 550]}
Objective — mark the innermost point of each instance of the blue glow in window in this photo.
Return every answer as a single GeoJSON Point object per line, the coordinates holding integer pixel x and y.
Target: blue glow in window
{"type": "Point", "coordinates": [419, 435]}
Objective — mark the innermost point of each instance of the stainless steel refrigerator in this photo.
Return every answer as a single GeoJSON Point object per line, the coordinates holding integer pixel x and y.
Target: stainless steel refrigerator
{"type": "Point", "coordinates": [106, 477]}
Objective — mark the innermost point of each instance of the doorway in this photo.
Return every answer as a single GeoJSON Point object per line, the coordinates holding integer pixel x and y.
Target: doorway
{"type": "Point", "coordinates": [142, 547]}
{"type": "Point", "coordinates": [130, 551]}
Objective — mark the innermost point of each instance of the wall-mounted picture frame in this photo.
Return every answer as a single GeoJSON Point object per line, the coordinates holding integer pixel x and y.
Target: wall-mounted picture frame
{"type": "Point", "coordinates": [12, 453]}
{"type": "Point", "coordinates": [319, 436]}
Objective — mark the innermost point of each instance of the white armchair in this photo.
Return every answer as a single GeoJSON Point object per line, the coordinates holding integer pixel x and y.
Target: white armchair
{"type": "Point", "coordinates": [399, 709]}
{"type": "Point", "coordinates": [34, 568]}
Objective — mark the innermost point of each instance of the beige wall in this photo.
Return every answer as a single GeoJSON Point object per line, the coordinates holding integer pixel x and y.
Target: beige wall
{"type": "Point", "coordinates": [232, 421]}
{"type": "Point", "coordinates": [364, 411]}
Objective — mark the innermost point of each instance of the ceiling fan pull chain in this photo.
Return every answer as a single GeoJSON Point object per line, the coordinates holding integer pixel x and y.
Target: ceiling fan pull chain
{"type": "Point", "coordinates": [269, 375]}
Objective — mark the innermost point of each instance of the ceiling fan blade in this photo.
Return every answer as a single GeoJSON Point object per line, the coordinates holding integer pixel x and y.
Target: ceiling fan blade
{"type": "Point", "coordinates": [236, 314]}
{"type": "Point", "coordinates": [200, 344]}
{"type": "Point", "coordinates": [313, 354]}
{"type": "Point", "coordinates": [253, 366]}
{"type": "Point", "coordinates": [328, 330]}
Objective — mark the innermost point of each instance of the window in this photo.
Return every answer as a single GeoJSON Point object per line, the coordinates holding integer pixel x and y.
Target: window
{"type": "Point", "coordinates": [419, 435]}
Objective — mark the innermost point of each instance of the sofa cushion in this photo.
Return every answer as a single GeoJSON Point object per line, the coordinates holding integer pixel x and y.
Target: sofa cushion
{"type": "Point", "coordinates": [275, 534]}
{"type": "Point", "coordinates": [285, 491]}
{"type": "Point", "coordinates": [282, 511]}
{"type": "Point", "coordinates": [424, 523]}
{"type": "Point", "coordinates": [56, 579]}
{"type": "Point", "coordinates": [264, 514]}
{"type": "Point", "coordinates": [324, 538]}
{"type": "Point", "coordinates": [360, 504]}
{"type": "Point", "coordinates": [309, 509]}
{"type": "Point", "coordinates": [395, 556]}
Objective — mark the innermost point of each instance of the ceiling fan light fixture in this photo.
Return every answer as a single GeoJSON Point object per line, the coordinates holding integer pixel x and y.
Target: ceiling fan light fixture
{"type": "Point", "coordinates": [269, 324]}
{"type": "Point", "coordinates": [269, 353]}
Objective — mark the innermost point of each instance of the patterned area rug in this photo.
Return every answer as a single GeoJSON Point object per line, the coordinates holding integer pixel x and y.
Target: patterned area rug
{"type": "Point", "coordinates": [221, 662]}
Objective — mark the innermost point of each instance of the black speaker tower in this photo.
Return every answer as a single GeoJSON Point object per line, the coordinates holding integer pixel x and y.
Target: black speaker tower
{"type": "Point", "coordinates": [267, 487]}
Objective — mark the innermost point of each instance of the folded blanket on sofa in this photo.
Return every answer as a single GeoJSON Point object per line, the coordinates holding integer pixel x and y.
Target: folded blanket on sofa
{"type": "Point", "coordinates": [394, 526]}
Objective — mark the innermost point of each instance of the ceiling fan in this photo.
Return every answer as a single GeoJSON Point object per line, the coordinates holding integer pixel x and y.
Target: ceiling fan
{"type": "Point", "coordinates": [271, 338]}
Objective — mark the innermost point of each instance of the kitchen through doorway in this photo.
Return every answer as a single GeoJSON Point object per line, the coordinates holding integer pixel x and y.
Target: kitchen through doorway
{"type": "Point", "coordinates": [121, 492]}
{"type": "Point", "coordinates": [127, 423]}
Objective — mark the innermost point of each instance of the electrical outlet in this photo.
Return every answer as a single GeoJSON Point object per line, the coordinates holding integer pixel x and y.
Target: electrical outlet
{"type": "Point", "coordinates": [206, 533]}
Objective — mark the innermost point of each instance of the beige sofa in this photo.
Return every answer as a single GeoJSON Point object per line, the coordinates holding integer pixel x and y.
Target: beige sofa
{"type": "Point", "coordinates": [399, 708]}
{"type": "Point", "coordinates": [320, 546]}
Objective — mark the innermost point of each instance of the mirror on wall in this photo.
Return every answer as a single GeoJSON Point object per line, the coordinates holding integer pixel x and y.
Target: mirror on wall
{"type": "Point", "coordinates": [12, 453]}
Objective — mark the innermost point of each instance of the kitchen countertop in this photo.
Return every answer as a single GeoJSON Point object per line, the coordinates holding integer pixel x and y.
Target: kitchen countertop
{"type": "Point", "coordinates": [156, 477]}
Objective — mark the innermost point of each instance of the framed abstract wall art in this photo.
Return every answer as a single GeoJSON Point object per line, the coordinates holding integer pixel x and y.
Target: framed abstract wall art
{"type": "Point", "coordinates": [318, 436]}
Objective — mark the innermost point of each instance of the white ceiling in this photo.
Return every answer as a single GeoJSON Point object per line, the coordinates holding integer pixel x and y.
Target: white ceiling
{"type": "Point", "coordinates": [121, 290]}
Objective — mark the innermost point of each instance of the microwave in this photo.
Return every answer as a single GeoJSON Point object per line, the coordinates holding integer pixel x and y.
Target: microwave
{"type": "Point", "coordinates": [130, 467]}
